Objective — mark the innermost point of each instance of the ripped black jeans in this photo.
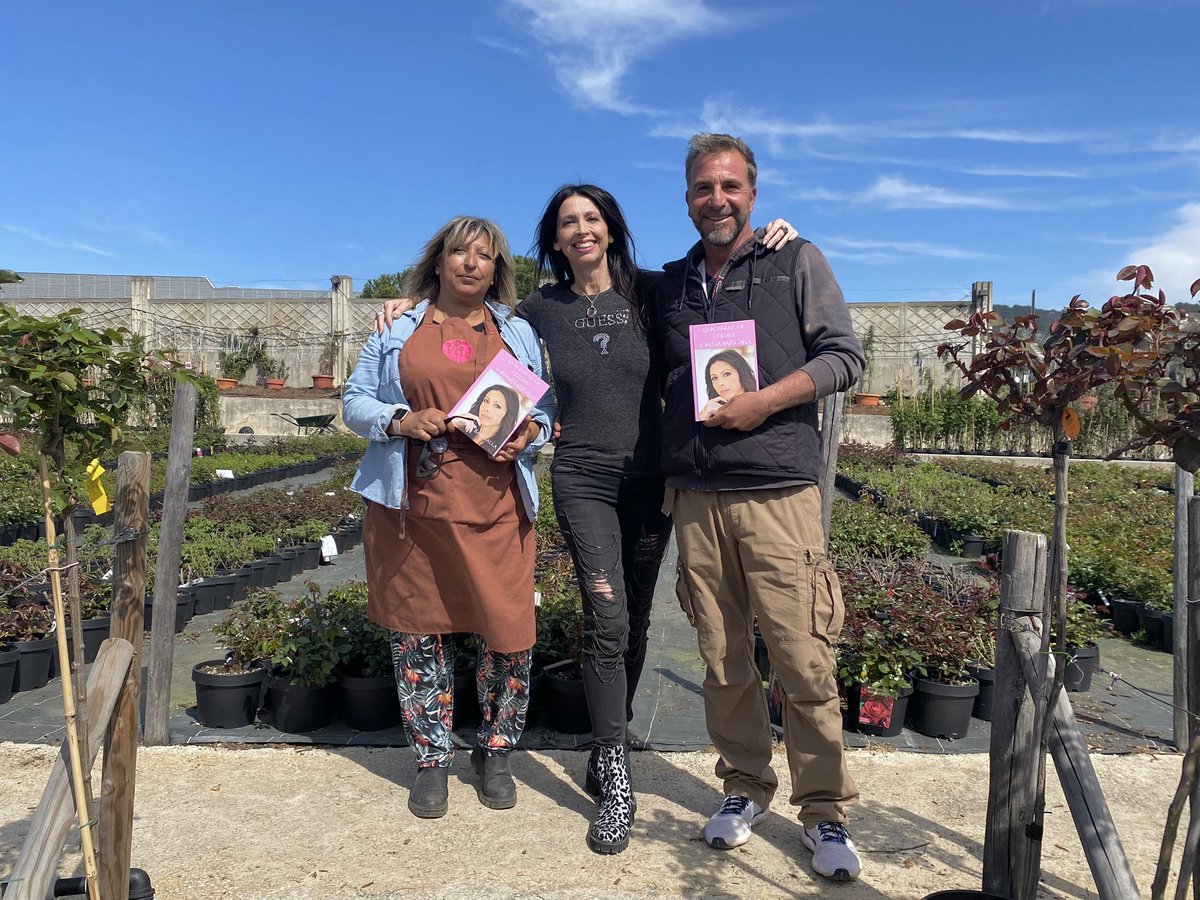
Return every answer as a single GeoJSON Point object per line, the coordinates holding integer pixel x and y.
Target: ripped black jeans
{"type": "Point", "coordinates": [617, 534]}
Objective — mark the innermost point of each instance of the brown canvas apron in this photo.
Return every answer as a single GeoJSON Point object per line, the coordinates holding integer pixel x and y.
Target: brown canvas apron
{"type": "Point", "coordinates": [461, 557]}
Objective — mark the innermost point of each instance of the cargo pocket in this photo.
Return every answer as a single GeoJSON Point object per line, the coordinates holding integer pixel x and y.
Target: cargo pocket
{"type": "Point", "coordinates": [683, 590]}
{"type": "Point", "coordinates": [828, 610]}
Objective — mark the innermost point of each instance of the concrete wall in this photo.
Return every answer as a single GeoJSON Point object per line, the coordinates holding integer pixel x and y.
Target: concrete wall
{"type": "Point", "coordinates": [256, 413]}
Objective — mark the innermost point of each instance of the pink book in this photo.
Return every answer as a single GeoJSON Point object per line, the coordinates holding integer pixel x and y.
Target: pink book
{"type": "Point", "coordinates": [724, 364]}
{"type": "Point", "coordinates": [499, 400]}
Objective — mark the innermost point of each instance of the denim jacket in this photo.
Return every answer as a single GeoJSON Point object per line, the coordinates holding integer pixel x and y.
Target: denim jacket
{"type": "Point", "coordinates": [373, 394]}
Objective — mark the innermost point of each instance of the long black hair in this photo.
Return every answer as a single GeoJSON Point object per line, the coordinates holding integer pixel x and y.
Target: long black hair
{"type": "Point", "coordinates": [621, 254]}
{"type": "Point", "coordinates": [512, 401]}
{"type": "Point", "coordinates": [739, 365]}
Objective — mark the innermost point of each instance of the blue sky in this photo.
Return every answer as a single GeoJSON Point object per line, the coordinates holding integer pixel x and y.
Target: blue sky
{"type": "Point", "coordinates": [921, 145]}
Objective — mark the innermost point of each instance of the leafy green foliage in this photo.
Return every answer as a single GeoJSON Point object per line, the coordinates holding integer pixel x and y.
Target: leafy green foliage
{"type": "Point", "coordinates": [251, 630]}
{"type": "Point", "coordinates": [369, 651]}
{"type": "Point", "coordinates": [385, 286]}
{"type": "Point", "coordinates": [312, 642]}
{"type": "Point", "coordinates": [865, 527]}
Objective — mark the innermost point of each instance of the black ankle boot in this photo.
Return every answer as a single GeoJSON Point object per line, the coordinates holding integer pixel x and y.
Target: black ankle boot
{"type": "Point", "coordinates": [497, 790]}
{"type": "Point", "coordinates": [609, 831]}
{"type": "Point", "coordinates": [429, 797]}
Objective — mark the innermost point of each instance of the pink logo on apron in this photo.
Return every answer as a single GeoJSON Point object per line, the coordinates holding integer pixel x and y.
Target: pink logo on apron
{"type": "Point", "coordinates": [457, 350]}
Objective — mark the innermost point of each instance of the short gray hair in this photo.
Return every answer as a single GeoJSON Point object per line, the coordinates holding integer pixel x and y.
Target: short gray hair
{"type": "Point", "coordinates": [705, 144]}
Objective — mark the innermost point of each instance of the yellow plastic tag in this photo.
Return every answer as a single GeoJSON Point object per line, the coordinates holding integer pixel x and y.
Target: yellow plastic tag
{"type": "Point", "coordinates": [96, 493]}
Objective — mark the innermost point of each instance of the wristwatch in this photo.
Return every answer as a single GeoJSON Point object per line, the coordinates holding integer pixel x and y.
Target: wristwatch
{"type": "Point", "coordinates": [398, 417]}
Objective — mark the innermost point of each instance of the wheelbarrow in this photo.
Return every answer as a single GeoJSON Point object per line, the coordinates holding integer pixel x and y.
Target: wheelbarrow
{"type": "Point", "coordinates": [310, 424]}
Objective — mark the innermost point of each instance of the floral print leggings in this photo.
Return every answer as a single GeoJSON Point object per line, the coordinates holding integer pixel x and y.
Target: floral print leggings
{"type": "Point", "coordinates": [426, 686]}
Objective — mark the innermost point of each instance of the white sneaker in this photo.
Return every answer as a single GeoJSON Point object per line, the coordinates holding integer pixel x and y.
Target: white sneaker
{"type": "Point", "coordinates": [730, 825]}
{"type": "Point", "coordinates": [834, 854]}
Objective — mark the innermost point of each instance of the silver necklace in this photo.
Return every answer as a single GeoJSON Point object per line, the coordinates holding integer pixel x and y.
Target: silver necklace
{"type": "Point", "coordinates": [591, 299]}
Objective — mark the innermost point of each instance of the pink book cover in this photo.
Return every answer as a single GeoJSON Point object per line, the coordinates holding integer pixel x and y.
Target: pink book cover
{"type": "Point", "coordinates": [499, 400]}
{"type": "Point", "coordinates": [724, 364]}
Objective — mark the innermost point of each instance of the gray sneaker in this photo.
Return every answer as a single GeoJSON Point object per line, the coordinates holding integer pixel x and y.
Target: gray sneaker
{"type": "Point", "coordinates": [730, 825]}
{"type": "Point", "coordinates": [834, 854]}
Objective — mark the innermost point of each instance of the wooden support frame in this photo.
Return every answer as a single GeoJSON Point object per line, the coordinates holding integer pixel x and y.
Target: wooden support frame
{"type": "Point", "coordinates": [1012, 843]}
{"type": "Point", "coordinates": [33, 874]}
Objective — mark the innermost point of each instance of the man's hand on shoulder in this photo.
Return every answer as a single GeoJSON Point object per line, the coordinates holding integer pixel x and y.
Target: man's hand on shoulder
{"type": "Point", "coordinates": [745, 412]}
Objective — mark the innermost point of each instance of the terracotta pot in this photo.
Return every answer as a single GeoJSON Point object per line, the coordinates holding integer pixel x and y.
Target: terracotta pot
{"type": "Point", "coordinates": [868, 399]}
{"type": "Point", "coordinates": [274, 384]}
{"type": "Point", "coordinates": [322, 381]}
{"type": "Point", "coordinates": [226, 384]}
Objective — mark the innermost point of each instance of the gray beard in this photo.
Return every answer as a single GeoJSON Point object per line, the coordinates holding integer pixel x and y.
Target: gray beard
{"type": "Point", "coordinates": [719, 238]}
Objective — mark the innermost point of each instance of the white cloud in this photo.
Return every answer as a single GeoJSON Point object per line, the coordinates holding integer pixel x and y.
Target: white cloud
{"type": "Point", "coordinates": [35, 235]}
{"type": "Point", "coordinates": [907, 248]}
{"type": "Point", "coordinates": [900, 193]}
{"type": "Point", "coordinates": [593, 46]}
{"type": "Point", "coordinates": [1174, 256]}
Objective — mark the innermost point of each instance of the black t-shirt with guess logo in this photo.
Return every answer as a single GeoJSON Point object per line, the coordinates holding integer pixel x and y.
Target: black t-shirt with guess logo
{"type": "Point", "coordinates": [607, 388]}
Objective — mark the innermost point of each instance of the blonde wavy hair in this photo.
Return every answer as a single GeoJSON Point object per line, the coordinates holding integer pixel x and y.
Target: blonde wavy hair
{"type": "Point", "coordinates": [461, 231]}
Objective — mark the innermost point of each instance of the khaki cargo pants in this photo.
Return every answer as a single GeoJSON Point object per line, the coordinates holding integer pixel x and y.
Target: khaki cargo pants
{"type": "Point", "coordinates": [760, 553]}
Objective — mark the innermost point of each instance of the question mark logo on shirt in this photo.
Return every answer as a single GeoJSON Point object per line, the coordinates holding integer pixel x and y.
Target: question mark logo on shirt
{"type": "Point", "coordinates": [602, 339]}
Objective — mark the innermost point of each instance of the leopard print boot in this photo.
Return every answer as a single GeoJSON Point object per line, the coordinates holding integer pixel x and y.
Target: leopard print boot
{"type": "Point", "coordinates": [609, 831]}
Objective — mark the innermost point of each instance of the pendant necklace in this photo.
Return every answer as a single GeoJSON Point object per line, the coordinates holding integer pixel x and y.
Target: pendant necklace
{"type": "Point", "coordinates": [591, 299]}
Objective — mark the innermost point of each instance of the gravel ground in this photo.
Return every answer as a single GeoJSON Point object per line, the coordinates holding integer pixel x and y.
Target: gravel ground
{"type": "Point", "coordinates": [289, 822]}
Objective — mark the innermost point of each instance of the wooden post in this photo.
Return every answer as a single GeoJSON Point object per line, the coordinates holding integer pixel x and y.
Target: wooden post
{"type": "Point", "coordinates": [1184, 488]}
{"type": "Point", "coordinates": [33, 873]}
{"type": "Point", "coordinates": [166, 567]}
{"type": "Point", "coordinates": [831, 432]}
{"type": "Point", "coordinates": [1192, 646]}
{"type": "Point", "coordinates": [1085, 798]}
{"type": "Point", "coordinates": [1011, 853]}
{"type": "Point", "coordinates": [131, 522]}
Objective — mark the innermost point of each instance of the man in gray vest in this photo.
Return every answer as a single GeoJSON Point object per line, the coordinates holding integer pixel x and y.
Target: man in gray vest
{"type": "Point", "coordinates": [742, 489]}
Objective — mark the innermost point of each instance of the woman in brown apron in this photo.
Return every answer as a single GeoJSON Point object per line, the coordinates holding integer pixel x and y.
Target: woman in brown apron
{"type": "Point", "coordinates": [460, 557]}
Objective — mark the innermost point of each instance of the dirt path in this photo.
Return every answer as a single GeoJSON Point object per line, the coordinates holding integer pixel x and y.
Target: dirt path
{"type": "Point", "coordinates": [294, 823]}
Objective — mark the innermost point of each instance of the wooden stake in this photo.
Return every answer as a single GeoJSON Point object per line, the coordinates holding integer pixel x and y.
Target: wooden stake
{"type": "Point", "coordinates": [1012, 847]}
{"type": "Point", "coordinates": [831, 432]}
{"type": "Point", "coordinates": [131, 519]}
{"type": "Point", "coordinates": [76, 745]}
{"type": "Point", "coordinates": [166, 567]}
{"type": "Point", "coordinates": [1184, 487]}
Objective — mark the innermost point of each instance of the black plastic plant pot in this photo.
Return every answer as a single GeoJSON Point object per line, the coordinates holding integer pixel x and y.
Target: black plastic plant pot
{"type": "Point", "coordinates": [567, 708]}
{"type": "Point", "coordinates": [982, 709]}
{"type": "Point", "coordinates": [872, 714]}
{"type": "Point", "coordinates": [224, 586]}
{"type": "Point", "coordinates": [183, 612]}
{"type": "Point", "coordinates": [205, 594]}
{"type": "Point", "coordinates": [1168, 632]}
{"type": "Point", "coordinates": [964, 895]}
{"type": "Point", "coordinates": [95, 633]}
{"type": "Point", "coordinates": [226, 700]}
{"type": "Point", "coordinates": [33, 665]}
{"type": "Point", "coordinates": [1080, 668]}
{"type": "Point", "coordinates": [296, 709]}
{"type": "Point", "coordinates": [369, 703]}
{"type": "Point", "coordinates": [466, 698]}
{"type": "Point", "coordinates": [972, 545]}
{"type": "Point", "coordinates": [942, 710]}
{"type": "Point", "coordinates": [1150, 621]}
{"type": "Point", "coordinates": [312, 554]}
{"type": "Point", "coordinates": [10, 656]}
{"type": "Point", "coordinates": [1125, 615]}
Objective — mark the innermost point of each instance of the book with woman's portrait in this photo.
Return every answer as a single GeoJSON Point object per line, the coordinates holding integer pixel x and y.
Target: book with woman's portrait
{"type": "Point", "coordinates": [497, 402]}
{"type": "Point", "coordinates": [724, 364]}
